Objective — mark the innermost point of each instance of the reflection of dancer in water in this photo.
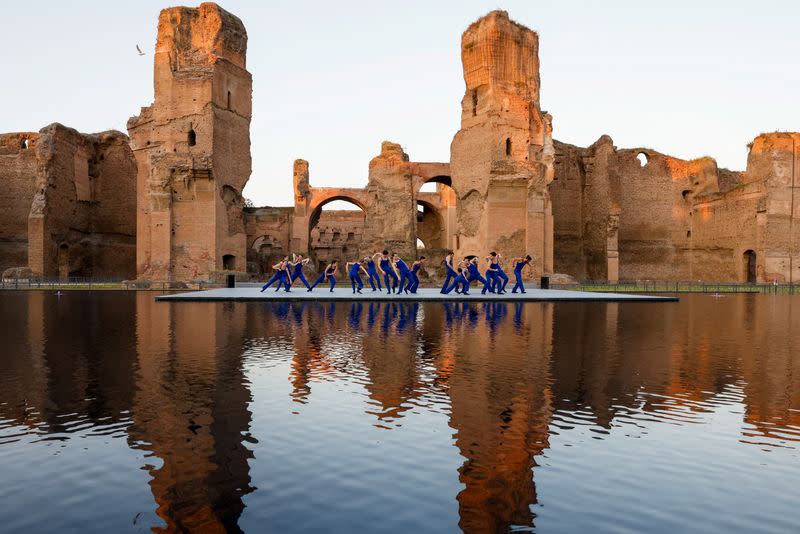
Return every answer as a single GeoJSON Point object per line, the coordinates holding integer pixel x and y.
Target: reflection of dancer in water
{"type": "Point", "coordinates": [281, 275]}
{"type": "Point", "coordinates": [353, 268]}
{"type": "Point", "coordinates": [372, 269]}
{"type": "Point", "coordinates": [449, 271]}
{"type": "Point", "coordinates": [519, 265]}
{"type": "Point", "coordinates": [329, 273]}
{"type": "Point", "coordinates": [403, 272]}
{"type": "Point", "coordinates": [415, 267]}
{"type": "Point", "coordinates": [297, 269]}
{"type": "Point", "coordinates": [388, 272]}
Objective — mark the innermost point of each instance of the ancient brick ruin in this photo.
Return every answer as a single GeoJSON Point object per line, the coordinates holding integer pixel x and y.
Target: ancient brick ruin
{"type": "Point", "coordinates": [76, 204]}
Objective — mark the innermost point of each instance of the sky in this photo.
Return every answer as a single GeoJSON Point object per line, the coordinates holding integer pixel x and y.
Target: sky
{"type": "Point", "coordinates": [331, 80]}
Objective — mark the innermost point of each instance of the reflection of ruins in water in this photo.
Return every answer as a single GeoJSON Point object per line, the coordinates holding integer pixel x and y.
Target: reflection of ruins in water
{"type": "Point", "coordinates": [506, 375]}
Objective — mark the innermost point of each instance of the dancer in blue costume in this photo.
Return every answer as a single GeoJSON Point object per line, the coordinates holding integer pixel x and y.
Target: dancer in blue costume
{"type": "Point", "coordinates": [388, 272]}
{"type": "Point", "coordinates": [281, 275]}
{"type": "Point", "coordinates": [500, 277]}
{"type": "Point", "coordinates": [459, 282]}
{"type": "Point", "coordinates": [353, 268]}
{"type": "Point", "coordinates": [297, 269]}
{"type": "Point", "coordinates": [329, 273]}
{"type": "Point", "coordinates": [473, 274]}
{"type": "Point", "coordinates": [415, 267]}
{"type": "Point", "coordinates": [449, 271]}
{"type": "Point", "coordinates": [519, 265]}
{"type": "Point", "coordinates": [403, 272]}
{"type": "Point", "coordinates": [372, 269]}
{"type": "Point", "coordinates": [492, 281]}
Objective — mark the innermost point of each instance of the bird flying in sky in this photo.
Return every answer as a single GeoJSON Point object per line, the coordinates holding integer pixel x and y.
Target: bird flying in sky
{"type": "Point", "coordinates": [139, 50]}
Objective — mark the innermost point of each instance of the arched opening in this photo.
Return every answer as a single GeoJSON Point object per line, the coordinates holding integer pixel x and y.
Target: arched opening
{"type": "Point", "coordinates": [643, 159]}
{"type": "Point", "coordinates": [431, 230]}
{"type": "Point", "coordinates": [24, 144]}
{"type": "Point", "coordinates": [508, 146]}
{"type": "Point", "coordinates": [191, 138]}
{"type": "Point", "coordinates": [749, 260]}
{"type": "Point", "coordinates": [435, 213]}
{"type": "Point", "coordinates": [420, 244]}
{"type": "Point", "coordinates": [336, 231]}
{"type": "Point", "coordinates": [229, 262]}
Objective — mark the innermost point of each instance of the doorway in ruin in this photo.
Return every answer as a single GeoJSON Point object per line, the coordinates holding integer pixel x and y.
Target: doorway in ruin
{"type": "Point", "coordinates": [435, 214]}
{"type": "Point", "coordinates": [749, 258]}
{"type": "Point", "coordinates": [228, 262]}
{"type": "Point", "coordinates": [63, 261]}
{"type": "Point", "coordinates": [336, 231]}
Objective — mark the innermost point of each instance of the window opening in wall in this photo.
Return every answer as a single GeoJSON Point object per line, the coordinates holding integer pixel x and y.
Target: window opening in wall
{"type": "Point", "coordinates": [474, 103]}
{"type": "Point", "coordinates": [420, 244]}
{"type": "Point", "coordinates": [229, 262]}
{"type": "Point", "coordinates": [508, 146]}
{"type": "Point", "coordinates": [685, 194]}
{"type": "Point", "coordinates": [229, 100]}
{"type": "Point", "coordinates": [351, 236]}
{"type": "Point", "coordinates": [750, 266]}
{"type": "Point", "coordinates": [192, 138]}
{"type": "Point", "coordinates": [688, 233]}
{"type": "Point", "coordinates": [24, 144]}
{"type": "Point", "coordinates": [643, 160]}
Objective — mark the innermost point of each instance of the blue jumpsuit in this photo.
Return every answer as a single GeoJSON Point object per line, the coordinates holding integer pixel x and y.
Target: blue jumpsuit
{"type": "Point", "coordinates": [388, 273]}
{"type": "Point", "coordinates": [518, 275]}
{"type": "Point", "coordinates": [501, 279]}
{"type": "Point", "coordinates": [405, 276]}
{"type": "Point", "coordinates": [449, 275]}
{"type": "Point", "coordinates": [492, 281]}
{"type": "Point", "coordinates": [458, 281]}
{"type": "Point", "coordinates": [414, 283]}
{"type": "Point", "coordinates": [279, 277]}
{"type": "Point", "coordinates": [297, 272]}
{"type": "Point", "coordinates": [327, 274]}
{"type": "Point", "coordinates": [474, 274]}
{"type": "Point", "coordinates": [373, 276]}
{"type": "Point", "coordinates": [355, 279]}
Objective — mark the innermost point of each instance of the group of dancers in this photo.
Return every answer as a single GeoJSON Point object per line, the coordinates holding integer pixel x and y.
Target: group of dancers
{"type": "Point", "coordinates": [399, 277]}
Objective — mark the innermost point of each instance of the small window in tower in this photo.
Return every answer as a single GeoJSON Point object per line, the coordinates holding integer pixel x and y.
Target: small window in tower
{"type": "Point", "coordinates": [24, 144]}
{"type": "Point", "coordinates": [192, 138]}
{"type": "Point", "coordinates": [508, 146]}
{"type": "Point", "coordinates": [474, 103]}
{"type": "Point", "coordinates": [229, 100]}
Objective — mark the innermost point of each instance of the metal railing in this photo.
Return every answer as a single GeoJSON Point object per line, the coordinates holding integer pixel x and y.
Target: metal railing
{"type": "Point", "coordinates": [98, 283]}
{"type": "Point", "coordinates": [695, 286]}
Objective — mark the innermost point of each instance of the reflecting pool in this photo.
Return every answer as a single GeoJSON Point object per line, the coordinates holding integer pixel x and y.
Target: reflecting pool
{"type": "Point", "coordinates": [121, 414]}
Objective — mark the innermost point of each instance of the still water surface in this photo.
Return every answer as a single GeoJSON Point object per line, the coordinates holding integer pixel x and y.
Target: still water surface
{"type": "Point", "coordinates": [120, 414]}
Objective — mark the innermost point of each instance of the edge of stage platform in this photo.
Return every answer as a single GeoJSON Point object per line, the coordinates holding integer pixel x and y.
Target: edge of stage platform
{"type": "Point", "coordinates": [253, 294]}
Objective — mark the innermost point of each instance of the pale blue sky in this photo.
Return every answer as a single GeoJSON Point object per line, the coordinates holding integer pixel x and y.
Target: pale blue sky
{"type": "Point", "coordinates": [334, 79]}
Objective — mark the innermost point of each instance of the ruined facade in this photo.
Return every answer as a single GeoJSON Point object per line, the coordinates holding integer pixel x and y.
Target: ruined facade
{"type": "Point", "coordinates": [68, 203]}
{"type": "Point", "coordinates": [502, 158]}
{"type": "Point", "coordinates": [635, 214]}
{"type": "Point", "coordinates": [192, 147]}
{"type": "Point", "coordinates": [76, 203]}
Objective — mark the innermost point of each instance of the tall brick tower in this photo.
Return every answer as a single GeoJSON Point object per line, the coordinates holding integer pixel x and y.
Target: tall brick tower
{"type": "Point", "coordinates": [192, 147]}
{"type": "Point", "coordinates": [502, 158]}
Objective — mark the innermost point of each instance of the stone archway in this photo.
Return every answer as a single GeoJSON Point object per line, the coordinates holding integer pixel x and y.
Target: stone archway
{"type": "Point", "coordinates": [336, 234]}
{"type": "Point", "coordinates": [431, 228]}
